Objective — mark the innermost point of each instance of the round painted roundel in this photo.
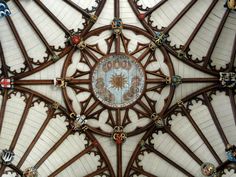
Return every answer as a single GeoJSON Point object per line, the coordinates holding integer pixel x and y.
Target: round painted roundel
{"type": "Point", "coordinates": [118, 80]}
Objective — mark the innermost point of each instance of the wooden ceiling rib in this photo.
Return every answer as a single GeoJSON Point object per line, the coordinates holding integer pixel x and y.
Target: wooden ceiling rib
{"type": "Point", "coordinates": [217, 34]}
{"type": "Point", "coordinates": [201, 22]}
{"type": "Point", "coordinates": [104, 119]}
{"type": "Point", "coordinates": [204, 139]}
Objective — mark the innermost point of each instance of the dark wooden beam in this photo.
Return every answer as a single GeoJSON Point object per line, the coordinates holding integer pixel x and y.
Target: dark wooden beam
{"type": "Point", "coordinates": [144, 23]}
{"type": "Point", "coordinates": [117, 44]}
{"type": "Point", "coordinates": [97, 172]}
{"type": "Point", "coordinates": [189, 62]}
{"type": "Point", "coordinates": [71, 161]}
{"type": "Point", "coordinates": [64, 52]}
{"type": "Point", "coordinates": [3, 61]}
{"type": "Point", "coordinates": [200, 80]}
{"type": "Point", "coordinates": [143, 55]}
{"type": "Point", "coordinates": [117, 9]}
{"type": "Point", "coordinates": [3, 108]}
{"type": "Point", "coordinates": [137, 150]}
{"type": "Point", "coordinates": [36, 138]}
{"type": "Point", "coordinates": [199, 25]}
{"type": "Point", "coordinates": [97, 13]}
{"type": "Point", "coordinates": [215, 39]}
{"type": "Point", "coordinates": [20, 43]}
{"type": "Point", "coordinates": [150, 148]}
{"type": "Point", "coordinates": [119, 160]}
{"type": "Point", "coordinates": [191, 96]}
{"type": "Point", "coordinates": [215, 119]}
{"type": "Point", "coordinates": [118, 117]}
{"type": "Point", "coordinates": [233, 104]}
{"type": "Point", "coordinates": [144, 106]}
{"type": "Point", "coordinates": [78, 8]}
{"type": "Point", "coordinates": [53, 148]}
{"type": "Point", "coordinates": [53, 17]}
{"type": "Point", "coordinates": [2, 169]}
{"type": "Point", "coordinates": [233, 55]}
{"type": "Point", "coordinates": [142, 172]}
{"type": "Point", "coordinates": [155, 81]}
{"type": "Point", "coordinates": [101, 152]}
{"type": "Point", "coordinates": [198, 130]}
{"type": "Point", "coordinates": [21, 123]}
{"type": "Point", "coordinates": [33, 82]}
{"type": "Point", "coordinates": [181, 143]}
{"type": "Point", "coordinates": [92, 107]}
{"type": "Point", "coordinates": [91, 55]}
{"type": "Point", "coordinates": [151, 10]}
{"type": "Point", "coordinates": [13, 167]}
{"type": "Point", "coordinates": [28, 18]}
{"type": "Point", "coordinates": [179, 16]}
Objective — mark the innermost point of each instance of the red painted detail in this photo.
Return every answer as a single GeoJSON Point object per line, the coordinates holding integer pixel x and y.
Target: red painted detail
{"type": "Point", "coordinates": [95, 143]}
{"type": "Point", "coordinates": [141, 16]}
{"type": "Point", "coordinates": [75, 39]}
{"type": "Point", "coordinates": [5, 83]}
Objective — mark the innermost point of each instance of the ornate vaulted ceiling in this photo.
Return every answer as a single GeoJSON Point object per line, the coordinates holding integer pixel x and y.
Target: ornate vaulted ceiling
{"type": "Point", "coordinates": [117, 88]}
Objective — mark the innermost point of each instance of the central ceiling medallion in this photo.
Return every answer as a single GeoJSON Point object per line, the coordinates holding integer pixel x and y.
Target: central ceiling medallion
{"type": "Point", "coordinates": [118, 80]}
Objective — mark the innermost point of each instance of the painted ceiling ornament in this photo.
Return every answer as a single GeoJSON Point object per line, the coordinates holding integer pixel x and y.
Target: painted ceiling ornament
{"type": "Point", "coordinates": [181, 54]}
{"type": "Point", "coordinates": [7, 83]}
{"type": "Point", "coordinates": [141, 16]}
{"type": "Point", "coordinates": [118, 80]}
{"type": "Point", "coordinates": [176, 80]}
{"type": "Point", "coordinates": [117, 26]}
{"type": "Point", "coordinates": [158, 120]}
{"type": "Point", "coordinates": [7, 157]}
{"type": "Point", "coordinates": [142, 143]}
{"type": "Point", "coordinates": [152, 46]}
{"type": "Point", "coordinates": [61, 82]}
{"type": "Point", "coordinates": [4, 9]}
{"type": "Point", "coordinates": [93, 19]}
{"type": "Point", "coordinates": [30, 172]}
{"type": "Point", "coordinates": [55, 105]}
{"type": "Point", "coordinates": [82, 45]}
{"type": "Point", "coordinates": [231, 4]}
{"type": "Point", "coordinates": [79, 122]}
{"type": "Point", "coordinates": [208, 169]}
{"type": "Point", "coordinates": [228, 79]}
{"type": "Point", "coordinates": [55, 58]}
{"type": "Point", "coordinates": [231, 152]}
{"type": "Point", "coordinates": [160, 38]}
{"type": "Point", "coordinates": [119, 136]}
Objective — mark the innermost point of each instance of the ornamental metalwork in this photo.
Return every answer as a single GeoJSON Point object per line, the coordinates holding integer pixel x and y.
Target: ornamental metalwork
{"type": "Point", "coordinates": [7, 157]}
{"type": "Point", "coordinates": [228, 79]}
{"type": "Point", "coordinates": [4, 9]}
